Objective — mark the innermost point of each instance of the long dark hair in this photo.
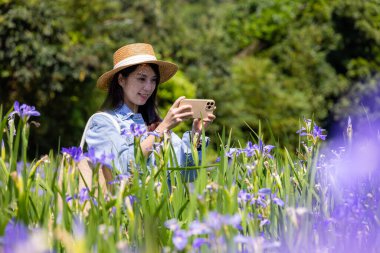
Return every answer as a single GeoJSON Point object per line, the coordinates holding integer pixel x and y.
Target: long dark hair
{"type": "Point", "coordinates": [115, 97]}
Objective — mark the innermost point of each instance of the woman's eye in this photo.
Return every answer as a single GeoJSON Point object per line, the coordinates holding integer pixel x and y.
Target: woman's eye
{"type": "Point", "coordinates": [141, 79]}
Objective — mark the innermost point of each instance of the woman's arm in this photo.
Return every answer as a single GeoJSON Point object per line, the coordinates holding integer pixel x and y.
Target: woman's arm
{"type": "Point", "coordinates": [174, 116]}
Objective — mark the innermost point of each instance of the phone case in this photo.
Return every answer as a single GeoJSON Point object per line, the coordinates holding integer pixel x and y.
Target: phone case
{"type": "Point", "coordinates": [201, 107]}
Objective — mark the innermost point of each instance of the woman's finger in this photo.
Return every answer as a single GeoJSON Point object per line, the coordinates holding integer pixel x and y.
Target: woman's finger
{"type": "Point", "coordinates": [184, 108]}
{"type": "Point", "coordinates": [197, 126]}
{"type": "Point", "coordinates": [176, 103]}
{"type": "Point", "coordinates": [185, 115]}
{"type": "Point", "coordinates": [211, 117]}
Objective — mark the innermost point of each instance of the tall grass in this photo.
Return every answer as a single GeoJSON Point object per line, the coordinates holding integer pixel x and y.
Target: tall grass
{"type": "Point", "coordinates": [256, 198]}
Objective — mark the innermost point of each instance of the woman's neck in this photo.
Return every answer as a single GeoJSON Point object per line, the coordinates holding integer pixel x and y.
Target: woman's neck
{"type": "Point", "coordinates": [134, 108]}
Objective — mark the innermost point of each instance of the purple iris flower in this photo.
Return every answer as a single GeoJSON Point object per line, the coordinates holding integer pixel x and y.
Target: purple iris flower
{"type": "Point", "coordinates": [68, 198]}
{"type": "Point", "coordinates": [233, 220]}
{"type": "Point", "coordinates": [267, 150]}
{"type": "Point", "coordinates": [261, 201]}
{"type": "Point", "coordinates": [180, 239]}
{"type": "Point", "coordinates": [172, 224]}
{"type": "Point", "coordinates": [302, 131]}
{"type": "Point", "coordinates": [239, 151]}
{"type": "Point", "coordinates": [157, 146]}
{"type": "Point", "coordinates": [84, 195]}
{"type": "Point", "coordinates": [103, 159]}
{"type": "Point", "coordinates": [277, 201]}
{"type": "Point", "coordinates": [265, 191]}
{"type": "Point", "coordinates": [132, 199]}
{"type": "Point", "coordinates": [263, 149]}
{"type": "Point", "coordinates": [264, 222]}
{"type": "Point", "coordinates": [317, 133]}
{"type": "Point", "coordinates": [242, 239]}
{"type": "Point", "coordinates": [75, 152]}
{"type": "Point", "coordinates": [15, 234]}
{"type": "Point", "coordinates": [119, 178]}
{"type": "Point", "coordinates": [135, 130]}
{"type": "Point", "coordinates": [244, 197]}
{"type": "Point", "coordinates": [215, 220]}
{"type": "Point", "coordinates": [199, 242]}
{"type": "Point", "coordinates": [250, 149]}
{"type": "Point", "coordinates": [24, 111]}
{"type": "Point", "coordinates": [230, 153]}
{"type": "Point", "coordinates": [199, 228]}
{"type": "Point", "coordinates": [90, 154]}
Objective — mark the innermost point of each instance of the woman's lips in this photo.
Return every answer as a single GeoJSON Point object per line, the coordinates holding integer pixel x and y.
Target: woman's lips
{"type": "Point", "coordinates": [145, 96]}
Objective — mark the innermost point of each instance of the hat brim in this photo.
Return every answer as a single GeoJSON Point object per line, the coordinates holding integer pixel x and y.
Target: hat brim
{"type": "Point", "coordinates": [166, 69]}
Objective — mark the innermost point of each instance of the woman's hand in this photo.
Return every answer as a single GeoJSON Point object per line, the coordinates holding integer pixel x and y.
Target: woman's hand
{"type": "Point", "coordinates": [197, 123]}
{"type": "Point", "coordinates": [175, 115]}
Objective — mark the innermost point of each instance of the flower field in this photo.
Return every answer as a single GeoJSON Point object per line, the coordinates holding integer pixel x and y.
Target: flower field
{"type": "Point", "coordinates": [253, 198]}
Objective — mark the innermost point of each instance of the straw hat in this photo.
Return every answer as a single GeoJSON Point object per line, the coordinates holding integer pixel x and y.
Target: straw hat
{"type": "Point", "coordinates": [134, 54]}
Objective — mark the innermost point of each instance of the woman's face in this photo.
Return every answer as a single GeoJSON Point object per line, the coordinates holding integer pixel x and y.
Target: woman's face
{"type": "Point", "coordinates": [138, 86]}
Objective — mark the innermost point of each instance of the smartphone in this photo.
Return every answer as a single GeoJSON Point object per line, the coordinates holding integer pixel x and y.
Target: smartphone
{"type": "Point", "coordinates": [201, 107]}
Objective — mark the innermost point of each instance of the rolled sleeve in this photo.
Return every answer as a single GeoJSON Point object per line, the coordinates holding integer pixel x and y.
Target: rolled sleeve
{"type": "Point", "coordinates": [103, 136]}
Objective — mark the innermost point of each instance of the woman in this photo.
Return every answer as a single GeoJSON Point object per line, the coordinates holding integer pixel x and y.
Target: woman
{"type": "Point", "coordinates": [131, 101]}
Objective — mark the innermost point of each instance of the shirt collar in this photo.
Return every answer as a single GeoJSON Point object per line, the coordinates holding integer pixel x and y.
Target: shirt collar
{"type": "Point", "coordinates": [123, 112]}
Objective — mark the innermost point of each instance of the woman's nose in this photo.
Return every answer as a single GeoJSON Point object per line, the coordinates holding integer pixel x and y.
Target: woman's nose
{"type": "Point", "coordinates": [150, 85]}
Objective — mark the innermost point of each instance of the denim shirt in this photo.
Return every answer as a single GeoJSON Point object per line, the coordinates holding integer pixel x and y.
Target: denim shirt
{"type": "Point", "coordinates": [103, 137]}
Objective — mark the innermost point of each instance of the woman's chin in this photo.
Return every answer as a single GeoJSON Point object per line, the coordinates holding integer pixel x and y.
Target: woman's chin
{"type": "Point", "coordinates": [141, 102]}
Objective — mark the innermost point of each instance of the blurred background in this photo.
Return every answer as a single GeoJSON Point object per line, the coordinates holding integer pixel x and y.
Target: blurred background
{"type": "Point", "coordinates": [266, 63]}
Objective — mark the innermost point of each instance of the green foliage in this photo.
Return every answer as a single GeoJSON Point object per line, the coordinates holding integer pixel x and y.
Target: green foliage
{"type": "Point", "coordinates": [273, 61]}
{"type": "Point", "coordinates": [357, 57]}
{"type": "Point", "coordinates": [267, 21]}
{"type": "Point", "coordinates": [287, 60]}
{"type": "Point", "coordinates": [271, 96]}
{"type": "Point", "coordinates": [41, 66]}
{"type": "Point", "coordinates": [133, 212]}
{"type": "Point", "coordinates": [54, 63]}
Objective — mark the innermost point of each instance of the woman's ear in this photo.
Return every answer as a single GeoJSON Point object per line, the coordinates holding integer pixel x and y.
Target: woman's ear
{"type": "Point", "coordinates": [121, 80]}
